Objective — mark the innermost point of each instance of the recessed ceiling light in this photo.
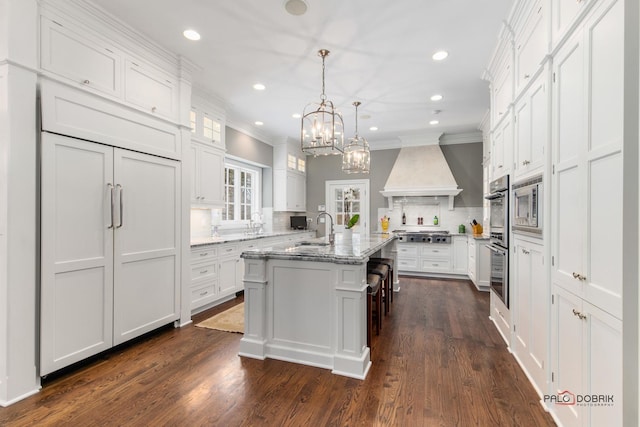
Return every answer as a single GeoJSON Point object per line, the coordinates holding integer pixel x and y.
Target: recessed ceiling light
{"type": "Point", "coordinates": [296, 7]}
{"type": "Point", "coordinates": [434, 122]}
{"type": "Point", "coordinates": [258, 123]}
{"type": "Point", "coordinates": [296, 115]}
{"type": "Point", "coordinates": [373, 128]}
{"type": "Point", "coordinates": [440, 55]}
{"type": "Point", "coordinates": [259, 86]}
{"type": "Point", "coordinates": [191, 35]}
{"type": "Point", "coordinates": [436, 97]}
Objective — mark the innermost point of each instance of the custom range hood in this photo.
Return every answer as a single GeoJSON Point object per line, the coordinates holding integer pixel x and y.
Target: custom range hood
{"type": "Point", "coordinates": [421, 170]}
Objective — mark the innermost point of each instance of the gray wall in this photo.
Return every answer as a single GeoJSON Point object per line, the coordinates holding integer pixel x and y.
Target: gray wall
{"type": "Point", "coordinates": [465, 161]}
{"type": "Point", "coordinates": [246, 147]}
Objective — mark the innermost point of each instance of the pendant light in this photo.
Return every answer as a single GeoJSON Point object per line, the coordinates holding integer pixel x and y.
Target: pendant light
{"type": "Point", "coordinates": [322, 126]}
{"type": "Point", "coordinates": [357, 156]}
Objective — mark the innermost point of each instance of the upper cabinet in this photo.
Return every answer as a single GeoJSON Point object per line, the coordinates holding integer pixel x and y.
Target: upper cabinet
{"type": "Point", "coordinates": [564, 14]}
{"type": "Point", "coordinates": [207, 122]}
{"type": "Point", "coordinates": [83, 59]}
{"type": "Point", "coordinates": [86, 59]}
{"type": "Point", "coordinates": [531, 45]}
{"type": "Point", "coordinates": [207, 153]}
{"type": "Point", "coordinates": [531, 128]}
{"type": "Point", "coordinates": [150, 89]}
{"type": "Point", "coordinates": [289, 177]}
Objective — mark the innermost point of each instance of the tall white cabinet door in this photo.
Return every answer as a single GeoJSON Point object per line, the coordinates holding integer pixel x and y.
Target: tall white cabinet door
{"type": "Point", "coordinates": [569, 176]}
{"type": "Point", "coordinates": [568, 339]}
{"type": "Point", "coordinates": [77, 245]}
{"type": "Point", "coordinates": [211, 175]}
{"type": "Point", "coordinates": [603, 265]}
{"type": "Point", "coordinates": [146, 247]}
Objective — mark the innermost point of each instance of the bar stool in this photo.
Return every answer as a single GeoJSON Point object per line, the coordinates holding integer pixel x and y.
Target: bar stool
{"type": "Point", "coordinates": [374, 299]}
{"type": "Point", "coordinates": [381, 270]}
{"type": "Point", "coordinates": [389, 263]}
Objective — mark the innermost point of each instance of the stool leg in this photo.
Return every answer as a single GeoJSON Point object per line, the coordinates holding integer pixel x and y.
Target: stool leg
{"type": "Point", "coordinates": [379, 310]}
{"type": "Point", "coordinates": [392, 279]}
{"type": "Point", "coordinates": [369, 320]}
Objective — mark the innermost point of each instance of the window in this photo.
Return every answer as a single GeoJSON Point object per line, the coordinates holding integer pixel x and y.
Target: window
{"type": "Point", "coordinates": [242, 189]}
{"type": "Point", "coordinates": [211, 128]}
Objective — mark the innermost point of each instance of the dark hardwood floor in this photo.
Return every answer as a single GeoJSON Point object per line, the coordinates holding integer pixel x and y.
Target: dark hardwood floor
{"type": "Point", "coordinates": [438, 361]}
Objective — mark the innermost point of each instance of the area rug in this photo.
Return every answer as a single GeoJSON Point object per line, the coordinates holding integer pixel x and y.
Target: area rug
{"type": "Point", "coordinates": [231, 320]}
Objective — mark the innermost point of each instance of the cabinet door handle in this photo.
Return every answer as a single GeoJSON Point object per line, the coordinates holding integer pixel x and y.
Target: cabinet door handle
{"type": "Point", "coordinates": [111, 197]}
{"type": "Point", "coordinates": [526, 76]}
{"type": "Point", "coordinates": [435, 250]}
{"type": "Point", "coordinates": [120, 194]}
{"type": "Point", "coordinates": [204, 271]}
{"type": "Point", "coordinates": [86, 82]}
{"type": "Point", "coordinates": [203, 293]}
{"type": "Point", "coordinates": [578, 314]}
{"type": "Point", "coordinates": [153, 109]}
{"type": "Point", "coordinates": [204, 254]}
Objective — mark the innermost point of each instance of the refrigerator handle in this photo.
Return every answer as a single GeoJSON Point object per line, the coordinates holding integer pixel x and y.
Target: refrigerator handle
{"type": "Point", "coordinates": [120, 194]}
{"type": "Point", "coordinates": [111, 207]}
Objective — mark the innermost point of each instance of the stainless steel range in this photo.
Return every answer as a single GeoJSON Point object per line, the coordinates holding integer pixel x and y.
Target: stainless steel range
{"type": "Point", "coordinates": [425, 236]}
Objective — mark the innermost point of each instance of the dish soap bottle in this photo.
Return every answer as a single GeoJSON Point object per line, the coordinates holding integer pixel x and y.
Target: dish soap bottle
{"type": "Point", "coordinates": [435, 220]}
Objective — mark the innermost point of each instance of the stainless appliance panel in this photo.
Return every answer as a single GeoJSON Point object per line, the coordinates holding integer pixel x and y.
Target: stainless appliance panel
{"type": "Point", "coordinates": [499, 211]}
{"type": "Point", "coordinates": [499, 276]}
{"type": "Point", "coordinates": [527, 207]}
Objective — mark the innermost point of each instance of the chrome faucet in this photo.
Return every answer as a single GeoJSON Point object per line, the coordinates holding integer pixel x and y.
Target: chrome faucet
{"type": "Point", "coordinates": [332, 234]}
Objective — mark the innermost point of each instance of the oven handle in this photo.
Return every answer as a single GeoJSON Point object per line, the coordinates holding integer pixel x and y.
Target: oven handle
{"type": "Point", "coordinates": [494, 196]}
{"type": "Point", "coordinates": [502, 252]}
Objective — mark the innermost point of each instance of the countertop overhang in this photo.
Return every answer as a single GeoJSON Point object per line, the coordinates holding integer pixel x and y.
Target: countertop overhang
{"type": "Point", "coordinates": [357, 251]}
{"type": "Point", "coordinates": [240, 237]}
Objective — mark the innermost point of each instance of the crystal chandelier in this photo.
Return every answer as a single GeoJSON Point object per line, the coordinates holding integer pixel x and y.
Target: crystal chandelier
{"type": "Point", "coordinates": [322, 126]}
{"type": "Point", "coordinates": [356, 157]}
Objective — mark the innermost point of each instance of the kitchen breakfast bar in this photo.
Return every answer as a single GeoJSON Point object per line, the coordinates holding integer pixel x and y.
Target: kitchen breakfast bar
{"type": "Point", "coordinates": [306, 303]}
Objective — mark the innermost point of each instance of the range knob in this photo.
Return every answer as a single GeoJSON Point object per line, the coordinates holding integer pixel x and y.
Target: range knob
{"type": "Point", "coordinates": [424, 239]}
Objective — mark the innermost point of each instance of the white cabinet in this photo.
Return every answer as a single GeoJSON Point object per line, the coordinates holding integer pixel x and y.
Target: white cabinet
{"type": "Point", "coordinates": [207, 175]}
{"type": "Point", "coordinates": [110, 247]}
{"type": "Point", "coordinates": [460, 254]}
{"type": "Point", "coordinates": [502, 94]}
{"type": "Point", "coordinates": [443, 260]}
{"type": "Point", "coordinates": [586, 206]}
{"type": "Point", "coordinates": [588, 160]}
{"type": "Point", "coordinates": [96, 64]}
{"type": "Point", "coordinates": [289, 178]}
{"type": "Point", "coordinates": [502, 148]}
{"type": "Point", "coordinates": [289, 191]}
{"type": "Point", "coordinates": [500, 316]}
{"type": "Point", "coordinates": [531, 128]}
{"type": "Point", "coordinates": [587, 356]}
{"type": "Point", "coordinates": [82, 59]}
{"type": "Point", "coordinates": [531, 45]}
{"type": "Point", "coordinates": [204, 276]}
{"type": "Point", "coordinates": [207, 122]}
{"type": "Point", "coordinates": [530, 297]}
{"type": "Point", "coordinates": [479, 266]}
{"type": "Point", "coordinates": [564, 14]}
{"type": "Point", "coordinates": [150, 89]}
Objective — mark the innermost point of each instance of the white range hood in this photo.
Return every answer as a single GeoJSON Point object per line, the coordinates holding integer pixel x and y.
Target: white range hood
{"type": "Point", "coordinates": [421, 170]}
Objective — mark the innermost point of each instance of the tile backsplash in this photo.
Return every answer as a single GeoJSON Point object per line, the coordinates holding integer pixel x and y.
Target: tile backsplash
{"type": "Point", "coordinates": [428, 208]}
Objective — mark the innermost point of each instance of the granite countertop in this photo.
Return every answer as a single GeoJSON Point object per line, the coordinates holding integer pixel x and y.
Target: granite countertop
{"type": "Point", "coordinates": [241, 237]}
{"type": "Point", "coordinates": [319, 249]}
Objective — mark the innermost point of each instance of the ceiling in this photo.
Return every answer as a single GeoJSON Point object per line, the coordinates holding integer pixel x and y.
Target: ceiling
{"type": "Point", "coordinates": [380, 55]}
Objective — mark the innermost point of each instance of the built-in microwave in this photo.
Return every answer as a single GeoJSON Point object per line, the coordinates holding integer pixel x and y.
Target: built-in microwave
{"type": "Point", "coordinates": [527, 206]}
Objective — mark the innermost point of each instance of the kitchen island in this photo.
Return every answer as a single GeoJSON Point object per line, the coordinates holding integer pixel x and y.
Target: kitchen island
{"type": "Point", "coordinates": [306, 303]}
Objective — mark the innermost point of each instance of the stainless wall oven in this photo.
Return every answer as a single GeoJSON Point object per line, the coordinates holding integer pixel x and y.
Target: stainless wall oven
{"type": "Point", "coordinates": [499, 237]}
{"type": "Point", "coordinates": [499, 211]}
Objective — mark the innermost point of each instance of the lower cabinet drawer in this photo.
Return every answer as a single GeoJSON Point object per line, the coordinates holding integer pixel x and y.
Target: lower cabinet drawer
{"type": "Point", "coordinates": [203, 292]}
{"type": "Point", "coordinates": [436, 265]}
{"type": "Point", "coordinates": [408, 264]}
{"type": "Point", "coordinates": [407, 251]}
{"type": "Point", "coordinates": [203, 270]}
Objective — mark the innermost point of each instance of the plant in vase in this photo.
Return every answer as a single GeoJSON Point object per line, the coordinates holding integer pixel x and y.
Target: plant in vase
{"type": "Point", "coordinates": [347, 235]}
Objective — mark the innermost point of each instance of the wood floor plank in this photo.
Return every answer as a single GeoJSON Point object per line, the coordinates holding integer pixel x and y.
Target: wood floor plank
{"type": "Point", "coordinates": [438, 361]}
